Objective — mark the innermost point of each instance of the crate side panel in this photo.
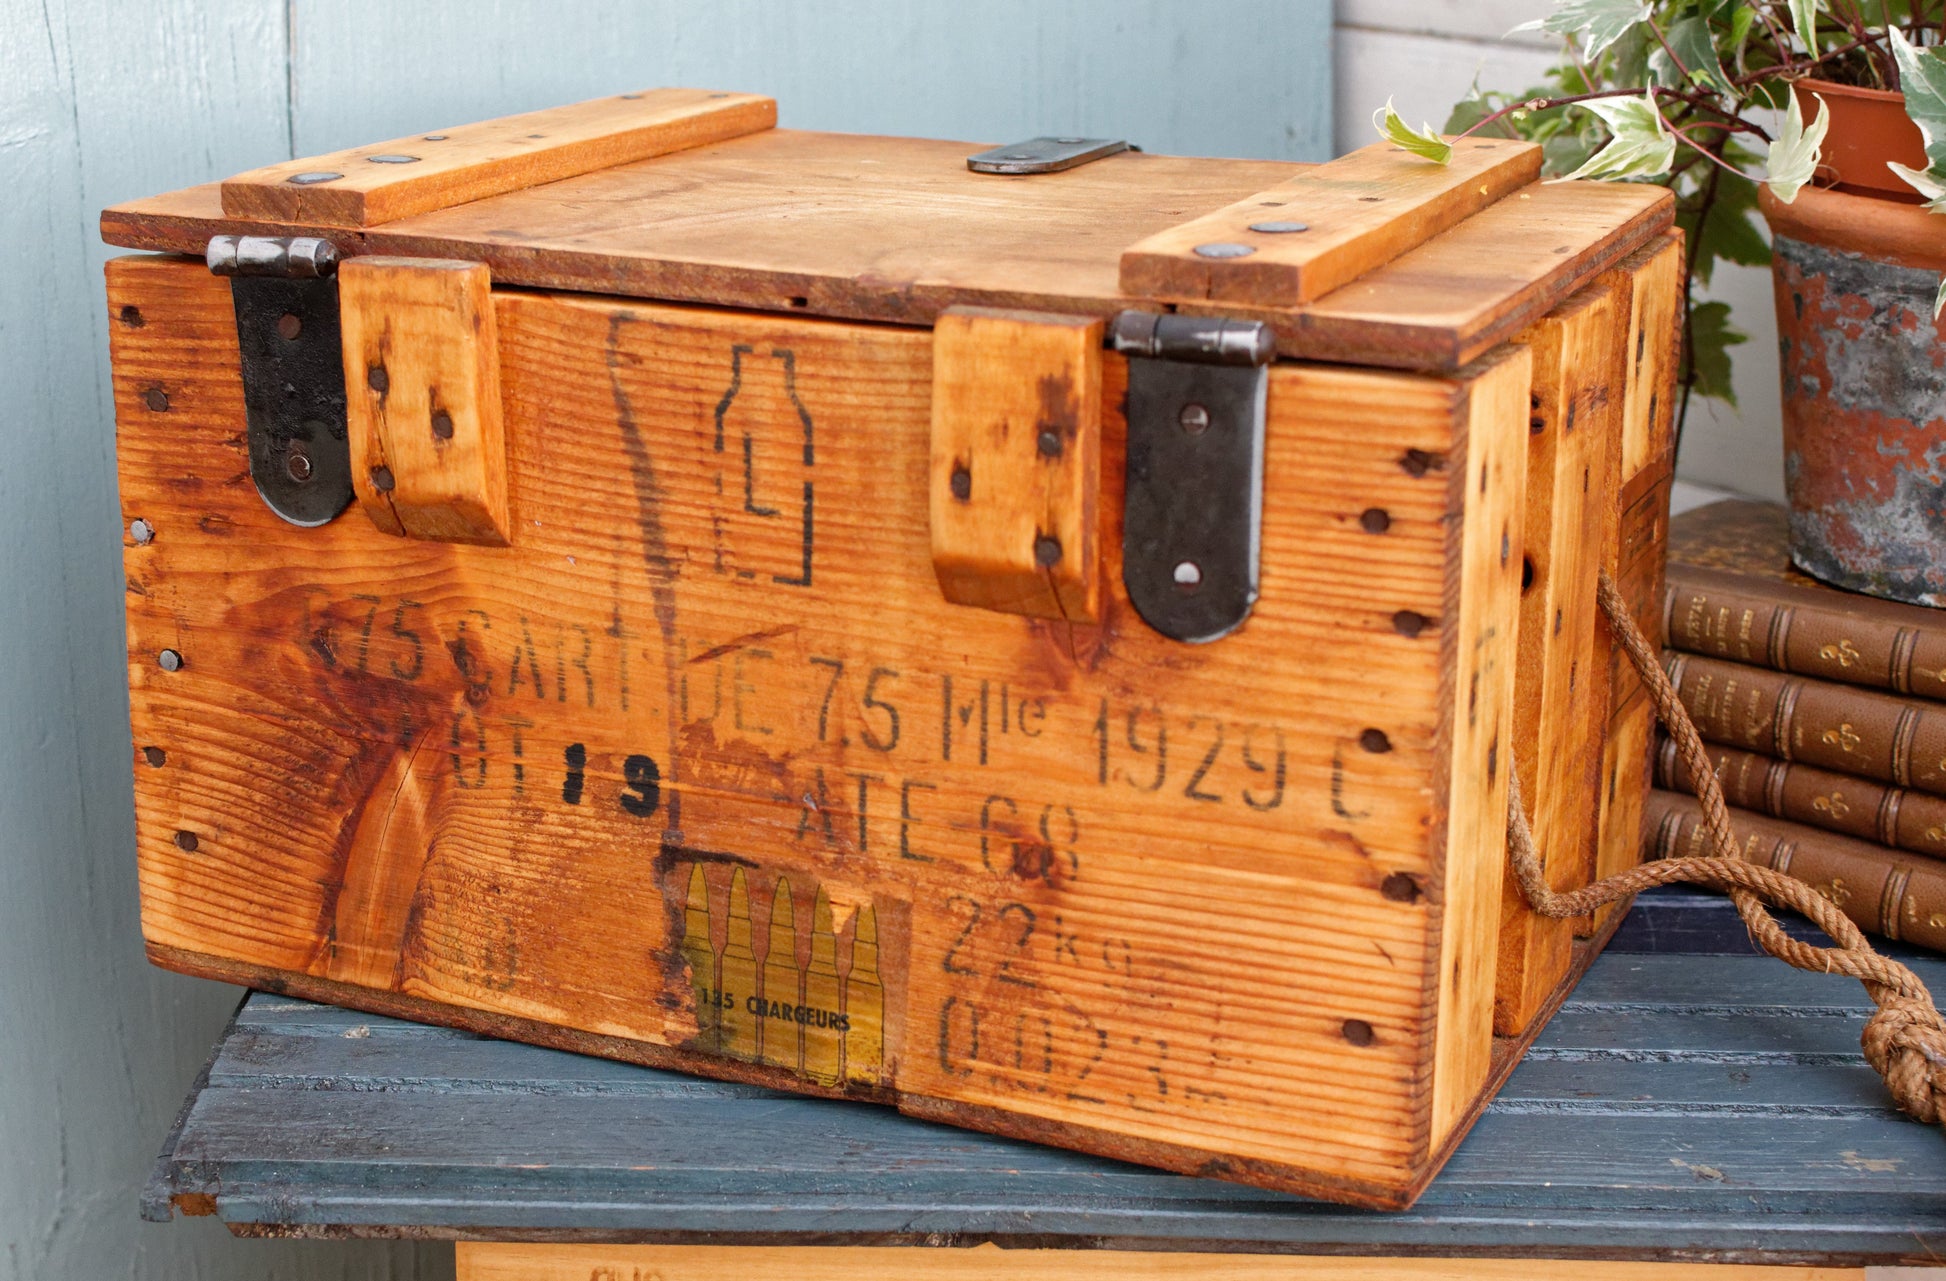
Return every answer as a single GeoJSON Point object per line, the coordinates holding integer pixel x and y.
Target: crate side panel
{"type": "Point", "coordinates": [703, 762]}
{"type": "Point", "coordinates": [1483, 565]}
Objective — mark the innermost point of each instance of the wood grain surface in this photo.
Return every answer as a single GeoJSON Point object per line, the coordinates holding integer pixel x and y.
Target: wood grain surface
{"type": "Point", "coordinates": [897, 229]}
{"type": "Point", "coordinates": [1325, 227]}
{"type": "Point", "coordinates": [484, 1261]}
{"type": "Point", "coordinates": [1015, 472]}
{"type": "Point", "coordinates": [1638, 536]}
{"type": "Point", "coordinates": [383, 182]}
{"type": "Point", "coordinates": [1225, 907]}
{"type": "Point", "coordinates": [1561, 702]}
{"type": "Point", "coordinates": [422, 376]}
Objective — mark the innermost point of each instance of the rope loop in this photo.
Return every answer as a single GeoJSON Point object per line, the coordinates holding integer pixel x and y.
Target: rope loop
{"type": "Point", "coordinates": [1904, 1040]}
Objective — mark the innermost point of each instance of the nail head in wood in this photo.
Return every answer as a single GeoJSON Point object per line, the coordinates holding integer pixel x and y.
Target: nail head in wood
{"type": "Point", "coordinates": [1399, 888]}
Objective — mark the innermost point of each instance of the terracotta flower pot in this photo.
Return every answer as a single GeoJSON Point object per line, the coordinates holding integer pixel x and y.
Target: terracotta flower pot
{"type": "Point", "coordinates": [1863, 365]}
{"type": "Point", "coordinates": [1868, 128]}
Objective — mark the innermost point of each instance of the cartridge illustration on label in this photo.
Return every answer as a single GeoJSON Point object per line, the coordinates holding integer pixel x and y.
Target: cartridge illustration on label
{"type": "Point", "coordinates": [818, 1013]}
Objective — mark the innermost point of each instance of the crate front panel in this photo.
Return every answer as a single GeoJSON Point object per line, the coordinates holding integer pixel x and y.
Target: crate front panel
{"type": "Point", "coordinates": [704, 761]}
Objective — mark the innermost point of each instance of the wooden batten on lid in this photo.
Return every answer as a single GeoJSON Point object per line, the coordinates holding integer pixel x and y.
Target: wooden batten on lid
{"type": "Point", "coordinates": [1040, 638]}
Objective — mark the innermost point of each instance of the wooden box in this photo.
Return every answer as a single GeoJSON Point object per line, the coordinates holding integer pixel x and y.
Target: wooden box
{"type": "Point", "coordinates": [818, 611]}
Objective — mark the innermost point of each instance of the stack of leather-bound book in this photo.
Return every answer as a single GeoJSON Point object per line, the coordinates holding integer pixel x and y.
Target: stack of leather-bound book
{"type": "Point", "coordinates": [1824, 713]}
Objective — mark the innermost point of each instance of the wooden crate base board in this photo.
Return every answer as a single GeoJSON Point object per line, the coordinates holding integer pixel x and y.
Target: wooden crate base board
{"type": "Point", "coordinates": [1178, 1159]}
{"type": "Point", "coordinates": [813, 1263]}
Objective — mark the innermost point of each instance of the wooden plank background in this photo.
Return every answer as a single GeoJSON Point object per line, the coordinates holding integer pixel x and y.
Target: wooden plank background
{"type": "Point", "coordinates": [102, 103]}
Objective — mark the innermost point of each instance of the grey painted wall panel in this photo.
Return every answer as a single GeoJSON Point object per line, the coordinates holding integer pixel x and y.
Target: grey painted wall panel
{"type": "Point", "coordinates": [1241, 79]}
{"type": "Point", "coordinates": [103, 101]}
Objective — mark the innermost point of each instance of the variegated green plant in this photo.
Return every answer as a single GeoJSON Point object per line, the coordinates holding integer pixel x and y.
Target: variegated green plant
{"type": "Point", "coordinates": [1694, 95]}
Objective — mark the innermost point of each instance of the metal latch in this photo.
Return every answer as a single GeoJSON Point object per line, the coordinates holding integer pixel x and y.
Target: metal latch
{"type": "Point", "coordinates": [1193, 512]}
{"type": "Point", "coordinates": [286, 299]}
{"type": "Point", "coordinates": [1044, 155]}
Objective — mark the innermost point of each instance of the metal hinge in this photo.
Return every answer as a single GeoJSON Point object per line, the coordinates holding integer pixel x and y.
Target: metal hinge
{"type": "Point", "coordinates": [1193, 511]}
{"type": "Point", "coordinates": [285, 293]}
{"type": "Point", "coordinates": [1044, 155]}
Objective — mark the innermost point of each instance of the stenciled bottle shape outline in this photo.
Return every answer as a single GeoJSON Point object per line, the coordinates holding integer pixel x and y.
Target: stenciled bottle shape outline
{"type": "Point", "coordinates": [701, 957]}
{"type": "Point", "coordinates": [864, 1003]}
{"type": "Point", "coordinates": [737, 977]}
{"type": "Point", "coordinates": [823, 1039]}
{"type": "Point", "coordinates": [780, 1043]}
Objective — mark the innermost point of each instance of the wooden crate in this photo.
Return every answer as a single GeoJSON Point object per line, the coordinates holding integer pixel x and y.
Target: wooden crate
{"type": "Point", "coordinates": [692, 681]}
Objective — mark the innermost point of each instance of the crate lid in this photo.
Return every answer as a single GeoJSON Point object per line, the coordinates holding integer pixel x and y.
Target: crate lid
{"type": "Point", "coordinates": [1375, 258]}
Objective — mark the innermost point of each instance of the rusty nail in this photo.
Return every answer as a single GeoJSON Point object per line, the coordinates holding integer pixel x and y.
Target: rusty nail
{"type": "Point", "coordinates": [382, 479]}
{"type": "Point", "coordinates": [155, 756]}
{"type": "Point", "coordinates": [289, 326]}
{"type": "Point", "coordinates": [1409, 623]}
{"type": "Point", "coordinates": [1375, 741]}
{"type": "Point", "coordinates": [377, 379]}
{"type": "Point", "coordinates": [1047, 551]}
{"type": "Point", "coordinates": [156, 399]}
{"type": "Point", "coordinates": [1050, 444]}
{"type": "Point", "coordinates": [962, 483]}
{"type": "Point", "coordinates": [1375, 520]}
{"type": "Point", "coordinates": [442, 424]}
{"type": "Point", "coordinates": [1357, 1031]}
{"type": "Point", "coordinates": [186, 841]}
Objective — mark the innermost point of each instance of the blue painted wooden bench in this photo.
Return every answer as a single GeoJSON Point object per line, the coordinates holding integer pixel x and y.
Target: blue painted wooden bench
{"type": "Point", "coordinates": [1692, 1100]}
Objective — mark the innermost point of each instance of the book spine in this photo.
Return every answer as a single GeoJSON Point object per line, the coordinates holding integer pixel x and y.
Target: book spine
{"type": "Point", "coordinates": [1912, 821]}
{"type": "Point", "coordinates": [1834, 727]}
{"type": "Point", "coordinates": [1881, 890]}
{"type": "Point", "coordinates": [1739, 621]}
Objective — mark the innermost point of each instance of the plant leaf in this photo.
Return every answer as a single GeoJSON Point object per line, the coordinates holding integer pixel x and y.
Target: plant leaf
{"type": "Point", "coordinates": [1930, 183]}
{"type": "Point", "coordinates": [1639, 146]}
{"type": "Point", "coordinates": [1424, 143]}
{"type": "Point", "coordinates": [1694, 55]}
{"type": "Point", "coordinates": [1922, 75]}
{"type": "Point", "coordinates": [1730, 231]}
{"type": "Point", "coordinates": [1598, 23]}
{"type": "Point", "coordinates": [1794, 153]}
{"type": "Point", "coordinates": [1710, 338]}
{"type": "Point", "coordinates": [1804, 16]}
